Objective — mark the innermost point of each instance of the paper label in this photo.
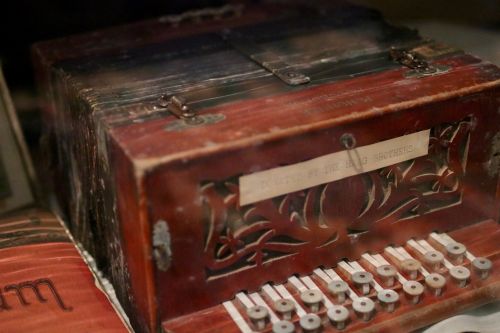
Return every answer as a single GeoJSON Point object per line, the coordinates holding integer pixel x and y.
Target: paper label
{"type": "Point", "coordinates": [278, 181]}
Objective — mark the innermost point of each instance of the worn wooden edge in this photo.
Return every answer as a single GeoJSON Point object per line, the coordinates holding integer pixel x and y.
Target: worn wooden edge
{"type": "Point", "coordinates": [133, 214]}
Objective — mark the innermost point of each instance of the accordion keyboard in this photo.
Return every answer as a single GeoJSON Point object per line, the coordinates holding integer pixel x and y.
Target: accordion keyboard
{"type": "Point", "coordinates": [362, 294]}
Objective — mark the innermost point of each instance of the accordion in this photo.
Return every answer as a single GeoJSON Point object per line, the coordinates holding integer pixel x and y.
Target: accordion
{"type": "Point", "coordinates": [278, 169]}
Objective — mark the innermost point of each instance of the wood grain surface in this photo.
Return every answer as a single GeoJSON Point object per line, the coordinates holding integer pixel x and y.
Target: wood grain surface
{"type": "Point", "coordinates": [45, 285]}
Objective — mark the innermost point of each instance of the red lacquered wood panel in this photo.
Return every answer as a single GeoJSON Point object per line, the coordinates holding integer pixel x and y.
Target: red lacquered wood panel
{"type": "Point", "coordinates": [49, 288]}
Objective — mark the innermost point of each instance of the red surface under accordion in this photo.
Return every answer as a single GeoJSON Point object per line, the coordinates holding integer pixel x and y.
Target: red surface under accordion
{"type": "Point", "coordinates": [49, 288]}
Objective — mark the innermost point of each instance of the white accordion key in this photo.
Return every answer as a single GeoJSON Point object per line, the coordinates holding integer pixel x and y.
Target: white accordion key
{"type": "Point", "coordinates": [260, 302]}
{"type": "Point", "coordinates": [237, 318]}
{"type": "Point", "coordinates": [286, 295]}
{"type": "Point", "coordinates": [359, 277]}
{"type": "Point", "coordinates": [336, 286]}
{"type": "Point", "coordinates": [481, 266]}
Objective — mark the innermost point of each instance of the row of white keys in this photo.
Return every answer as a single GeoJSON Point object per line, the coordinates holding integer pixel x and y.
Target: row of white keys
{"type": "Point", "coordinates": [434, 281]}
{"type": "Point", "coordinates": [286, 295]}
{"type": "Point", "coordinates": [387, 297]}
{"type": "Point", "coordinates": [259, 301]}
{"type": "Point", "coordinates": [335, 284]}
{"type": "Point", "coordinates": [379, 265]}
{"type": "Point", "coordinates": [383, 261]}
{"type": "Point", "coordinates": [459, 274]}
{"type": "Point", "coordinates": [408, 264]}
{"type": "Point", "coordinates": [363, 306]}
{"type": "Point", "coordinates": [413, 289]}
{"type": "Point", "coordinates": [482, 266]}
{"type": "Point", "coordinates": [455, 250]}
{"type": "Point", "coordinates": [257, 309]}
{"type": "Point", "coordinates": [358, 268]}
{"type": "Point", "coordinates": [424, 244]}
{"type": "Point", "coordinates": [310, 293]}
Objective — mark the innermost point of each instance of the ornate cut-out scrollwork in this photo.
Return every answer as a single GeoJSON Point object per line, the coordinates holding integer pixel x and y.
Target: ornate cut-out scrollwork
{"type": "Point", "coordinates": [239, 238]}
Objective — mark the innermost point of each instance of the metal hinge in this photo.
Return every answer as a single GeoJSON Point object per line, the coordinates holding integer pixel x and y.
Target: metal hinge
{"type": "Point", "coordinates": [188, 117]}
{"type": "Point", "coordinates": [266, 59]}
{"type": "Point", "coordinates": [419, 67]}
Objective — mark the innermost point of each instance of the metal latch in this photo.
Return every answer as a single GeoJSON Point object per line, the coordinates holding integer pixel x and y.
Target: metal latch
{"type": "Point", "coordinates": [266, 59]}
{"type": "Point", "coordinates": [188, 117]}
{"type": "Point", "coordinates": [418, 65]}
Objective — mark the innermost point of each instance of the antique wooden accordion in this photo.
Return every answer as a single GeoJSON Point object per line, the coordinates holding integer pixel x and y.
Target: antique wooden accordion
{"type": "Point", "coordinates": [278, 169]}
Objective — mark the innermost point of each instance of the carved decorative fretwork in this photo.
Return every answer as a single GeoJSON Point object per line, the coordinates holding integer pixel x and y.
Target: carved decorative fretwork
{"type": "Point", "coordinates": [239, 238]}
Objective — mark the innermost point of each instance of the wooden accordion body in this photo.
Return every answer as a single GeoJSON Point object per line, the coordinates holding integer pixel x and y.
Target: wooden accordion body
{"type": "Point", "coordinates": [203, 160]}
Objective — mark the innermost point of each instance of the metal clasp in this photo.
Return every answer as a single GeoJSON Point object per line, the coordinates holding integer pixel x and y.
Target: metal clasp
{"type": "Point", "coordinates": [188, 117]}
{"type": "Point", "coordinates": [177, 106]}
{"type": "Point", "coordinates": [265, 58]}
{"type": "Point", "coordinates": [418, 65]}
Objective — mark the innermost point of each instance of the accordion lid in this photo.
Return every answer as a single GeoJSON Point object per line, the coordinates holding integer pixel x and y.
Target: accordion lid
{"type": "Point", "coordinates": [231, 77]}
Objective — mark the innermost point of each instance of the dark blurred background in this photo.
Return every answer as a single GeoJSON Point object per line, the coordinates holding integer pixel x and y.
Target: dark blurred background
{"type": "Point", "coordinates": [471, 25]}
